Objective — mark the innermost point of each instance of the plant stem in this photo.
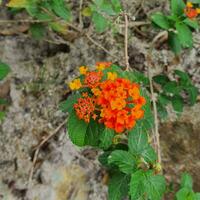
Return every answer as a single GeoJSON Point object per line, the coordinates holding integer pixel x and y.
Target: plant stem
{"type": "Point", "coordinates": [126, 42]}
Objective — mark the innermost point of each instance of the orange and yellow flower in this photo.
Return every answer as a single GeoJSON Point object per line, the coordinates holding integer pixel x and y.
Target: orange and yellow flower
{"type": "Point", "coordinates": [75, 84]}
{"type": "Point", "coordinates": [85, 108]}
{"type": "Point", "coordinates": [83, 70]}
{"type": "Point", "coordinates": [102, 65]}
{"type": "Point", "coordinates": [190, 11]}
{"type": "Point", "coordinates": [92, 79]}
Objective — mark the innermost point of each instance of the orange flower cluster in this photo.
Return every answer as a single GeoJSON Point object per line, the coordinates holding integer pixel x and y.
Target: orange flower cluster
{"type": "Point", "coordinates": [92, 79]}
{"type": "Point", "coordinates": [85, 107]}
{"type": "Point", "coordinates": [190, 11]}
{"type": "Point", "coordinates": [121, 104]}
{"type": "Point", "coordinates": [115, 102]}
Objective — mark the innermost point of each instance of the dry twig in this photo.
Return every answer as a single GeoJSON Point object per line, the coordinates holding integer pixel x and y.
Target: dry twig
{"type": "Point", "coordinates": [39, 147]}
{"type": "Point", "coordinates": [126, 42]}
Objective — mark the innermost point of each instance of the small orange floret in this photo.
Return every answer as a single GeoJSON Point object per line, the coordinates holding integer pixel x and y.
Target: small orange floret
{"type": "Point", "coordinates": [75, 84]}
{"type": "Point", "coordinates": [85, 107]}
{"type": "Point", "coordinates": [92, 79]}
{"type": "Point", "coordinates": [83, 70]}
{"type": "Point", "coordinates": [102, 65]}
{"type": "Point", "coordinates": [112, 75]}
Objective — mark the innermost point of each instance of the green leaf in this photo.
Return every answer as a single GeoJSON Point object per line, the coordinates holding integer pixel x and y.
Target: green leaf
{"type": "Point", "coordinates": [163, 99]}
{"type": "Point", "coordinates": [174, 43]}
{"type": "Point", "coordinates": [76, 129]}
{"type": "Point", "coordinates": [93, 133]}
{"type": "Point", "coordinates": [184, 78]}
{"type": "Point", "coordinates": [162, 111]}
{"type": "Point", "coordinates": [177, 103]}
{"type": "Point", "coordinates": [103, 158]}
{"type": "Point", "coordinates": [37, 31]}
{"type": "Point", "coordinates": [61, 9]}
{"type": "Point", "coordinates": [100, 22]}
{"type": "Point", "coordinates": [160, 20]}
{"type": "Point", "coordinates": [2, 115]}
{"type": "Point", "coordinates": [116, 5]}
{"type": "Point", "coordinates": [21, 3]}
{"type": "Point", "coordinates": [197, 195]}
{"type": "Point", "coordinates": [186, 181]}
{"type": "Point", "coordinates": [4, 70]}
{"type": "Point", "coordinates": [139, 146]}
{"type": "Point", "coordinates": [171, 87]}
{"type": "Point", "coordinates": [185, 194]}
{"type": "Point", "coordinates": [67, 105]}
{"type": "Point", "coordinates": [137, 185]}
{"type": "Point", "coordinates": [177, 7]}
{"type": "Point", "coordinates": [161, 79]}
{"type": "Point", "coordinates": [3, 101]}
{"type": "Point", "coordinates": [192, 23]}
{"type": "Point", "coordinates": [184, 35]}
{"type": "Point", "coordinates": [106, 138]}
{"type": "Point", "coordinates": [193, 93]}
{"type": "Point", "coordinates": [117, 188]}
{"type": "Point", "coordinates": [155, 186]}
{"type": "Point", "coordinates": [124, 160]}
{"type": "Point", "coordinates": [144, 185]}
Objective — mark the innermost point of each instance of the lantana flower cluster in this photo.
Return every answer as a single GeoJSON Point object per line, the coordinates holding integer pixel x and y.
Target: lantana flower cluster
{"type": "Point", "coordinates": [191, 11]}
{"type": "Point", "coordinates": [112, 100]}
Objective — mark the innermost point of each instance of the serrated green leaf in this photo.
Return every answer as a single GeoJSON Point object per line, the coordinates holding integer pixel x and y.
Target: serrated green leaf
{"type": "Point", "coordinates": [67, 105]}
{"type": "Point", "coordinates": [4, 70]}
{"type": "Point", "coordinates": [184, 35]}
{"type": "Point", "coordinates": [139, 146]}
{"type": "Point", "coordinates": [192, 23]}
{"type": "Point", "coordinates": [174, 43]}
{"type": "Point", "coordinates": [61, 9]}
{"type": "Point", "coordinates": [137, 185]}
{"type": "Point", "coordinates": [117, 188]}
{"type": "Point", "coordinates": [106, 138]}
{"type": "Point", "coordinates": [177, 7]}
{"type": "Point", "coordinates": [103, 158]}
{"type": "Point", "coordinates": [93, 133]}
{"type": "Point", "coordinates": [160, 20]}
{"type": "Point", "coordinates": [37, 31]}
{"type": "Point", "coordinates": [76, 129]}
{"type": "Point", "coordinates": [186, 181]}
{"type": "Point", "coordinates": [161, 79]}
{"type": "Point", "coordinates": [162, 111]}
{"type": "Point", "coordinates": [124, 160]}
{"type": "Point", "coordinates": [155, 186]}
{"type": "Point", "coordinates": [145, 185]}
{"type": "Point", "coordinates": [100, 22]}
{"type": "Point", "coordinates": [177, 103]}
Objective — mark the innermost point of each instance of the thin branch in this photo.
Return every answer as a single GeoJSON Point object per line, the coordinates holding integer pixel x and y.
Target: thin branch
{"type": "Point", "coordinates": [39, 147]}
{"type": "Point", "coordinates": [80, 14]}
{"type": "Point", "coordinates": [25, 21]}
{"type": "Point", "coordinates": [126, 42]}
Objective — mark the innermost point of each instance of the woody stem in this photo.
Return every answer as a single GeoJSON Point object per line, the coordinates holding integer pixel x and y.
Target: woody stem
{"type": "Point", "coordinates": [126, 42]}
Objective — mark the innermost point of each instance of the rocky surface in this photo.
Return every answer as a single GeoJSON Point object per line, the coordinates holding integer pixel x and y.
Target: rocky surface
{"type": "Point", "coordinates": [36, 86]}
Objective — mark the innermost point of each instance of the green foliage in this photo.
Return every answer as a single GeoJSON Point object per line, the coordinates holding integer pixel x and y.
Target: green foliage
{"type": "Point", "coordinates": [37, 31]}
{"type": "Point", "coordinates": [106, 138]}
{"type": "Point", "coordinates": [117, 188]}
{"type": "Point", "coordinates": [102, 13]}
{"type": "Point", "coordinates": [139, 146]}
{"type": "Point", "coordinates": [174, 92]}
{"type": "Point", "coordinates": [146, 185]}
{"type": "Point", "coordinates": [4, 70]}
{"type": "Point", "coordinates": [178, 25]}
{"type": "Point", "coordinates": [124, 160]}
{"type": "Point", "coordinates": [186, 192]}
